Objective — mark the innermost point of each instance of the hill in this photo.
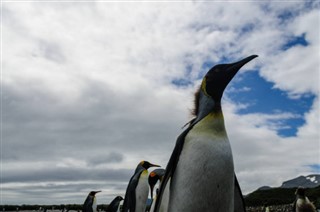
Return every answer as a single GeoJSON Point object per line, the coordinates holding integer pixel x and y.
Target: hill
{"type": "Point", "coordinates": [310, 181]}
{"type": "Point", "coordinates": [280, 196]}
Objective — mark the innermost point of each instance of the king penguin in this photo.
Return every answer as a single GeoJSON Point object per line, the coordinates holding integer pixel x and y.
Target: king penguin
{"type": "Point", "coordinates": [90, 204]}
{"type": "Point", "coordinates": [302, 203]}
{"type": "Point", "coordinates": [137, 191]}
{"type": "Point", "coordinates": [114, 206]}
{"type": "Point", "coordinates": [155, 176]}
{"type": "Point", "coordinates": [200, 172]}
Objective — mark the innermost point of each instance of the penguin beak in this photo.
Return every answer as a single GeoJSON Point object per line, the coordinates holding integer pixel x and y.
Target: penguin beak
{"type": "Point", "coordinates": [233, 68]}
{"type": "Point", "coordinates": [97, 192]}
{"type": "Point", "coordinates": [154, 165]}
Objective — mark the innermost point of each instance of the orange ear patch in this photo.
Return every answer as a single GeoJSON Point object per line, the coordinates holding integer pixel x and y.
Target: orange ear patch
{"type": "Point", "coordinates": [152, 174]}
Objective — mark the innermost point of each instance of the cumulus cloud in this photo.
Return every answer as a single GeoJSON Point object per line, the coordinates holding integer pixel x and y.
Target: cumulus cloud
{"type": "Point", "coordinates": [262, 156]}
{"type": "Point", "coordinates": [88, 90]}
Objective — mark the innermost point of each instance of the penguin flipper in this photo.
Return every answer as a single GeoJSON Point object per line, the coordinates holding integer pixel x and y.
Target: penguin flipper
{"type": "Point", "coordinates": [239, 204]}
{"type": "Point", "coordinates": [294, 205]}
{"type": "Point", "coordinates": [172, 164]}
{"type": "Point", "coordinates": [87, 206]}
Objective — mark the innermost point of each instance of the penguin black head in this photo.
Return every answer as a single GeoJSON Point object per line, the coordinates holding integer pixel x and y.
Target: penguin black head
{"type": "Point", "coordinates": [119, 198]}
{"type": "Point", "coordinates": [301, 191]}
{"type": "Point", "coordinates": [217, 79]}
{"type": "Point", "coordinates": [153, 178]}
{"type": "Point", "coordinates": [156, 175]}
{"type": "Point", "coordinates": [147, 165]}
{"type": "Point", "coordinates": [93, 193]}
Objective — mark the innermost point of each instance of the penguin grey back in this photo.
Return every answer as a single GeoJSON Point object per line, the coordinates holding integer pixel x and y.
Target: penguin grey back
{"type": "Point", "coordinates": [130, 196]}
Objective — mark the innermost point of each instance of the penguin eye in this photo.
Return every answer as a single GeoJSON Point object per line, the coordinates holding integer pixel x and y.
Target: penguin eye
{"type": "Point", "coordinates": [217, 70]}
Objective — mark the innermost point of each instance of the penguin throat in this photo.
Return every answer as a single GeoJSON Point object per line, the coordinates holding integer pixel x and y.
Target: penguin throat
{"type": "Point", "coordinates": [206, 105]}
{"type": "Point", "coordinates": [213, 123]}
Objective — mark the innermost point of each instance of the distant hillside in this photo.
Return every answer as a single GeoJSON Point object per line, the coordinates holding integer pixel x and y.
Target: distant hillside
{"type": "Point", "coordinates": [310, 181]}
{"type": "Point", "coordinates": [285, 194]}
{"type": "Point", "coordinates": [280, 196]}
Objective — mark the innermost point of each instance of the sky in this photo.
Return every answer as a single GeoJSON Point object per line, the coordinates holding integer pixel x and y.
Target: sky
{"type": "Point", "coordinates": [91, 88]}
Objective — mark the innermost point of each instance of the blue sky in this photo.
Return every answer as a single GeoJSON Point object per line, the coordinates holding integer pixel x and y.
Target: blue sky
{"type": "Point", "coordinates": [260, 97]}
{"type": "Point", "coordinates": [92, 88]}
{"type": "Point", "coordinates": [316, 167]}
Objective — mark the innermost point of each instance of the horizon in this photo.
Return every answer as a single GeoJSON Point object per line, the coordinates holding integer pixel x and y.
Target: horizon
{"type": "Point", "coordinates": [149, 199]}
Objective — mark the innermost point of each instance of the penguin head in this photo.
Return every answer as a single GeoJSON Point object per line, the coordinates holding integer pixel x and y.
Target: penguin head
{"type": "Point", "coordinates": [119, 198]}
{"type": "Point", "coordinates": [301, 191]}
{"type": "Point", "coordinates": [219, 76]}
{"type": "Point", "coordinates": [216, 80]}
{"type": "Point", "coordinates": [147, 165]}
{"type": "Point", "coordinates": [93, 193]}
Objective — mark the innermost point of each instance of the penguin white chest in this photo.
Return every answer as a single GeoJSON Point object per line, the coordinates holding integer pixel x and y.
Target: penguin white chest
{"type": "Point", "coordinates": [94, 204]}
{"type": "Point", "coordinates": [118, 210]}
{"type": "Point", "coordinates": [142, 191]}
{"type": "Point", "coordinates": [204, 176]}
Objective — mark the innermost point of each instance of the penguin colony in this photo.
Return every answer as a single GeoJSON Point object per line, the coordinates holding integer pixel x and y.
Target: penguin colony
{"type": "Point", "coordinates": [200, 173]}
{"type": "Point", "coordinates": [199, 176]}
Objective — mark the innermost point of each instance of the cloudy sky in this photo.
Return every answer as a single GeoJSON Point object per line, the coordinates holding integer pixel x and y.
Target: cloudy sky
{"type": "Point", "coordinates": [89, 89]}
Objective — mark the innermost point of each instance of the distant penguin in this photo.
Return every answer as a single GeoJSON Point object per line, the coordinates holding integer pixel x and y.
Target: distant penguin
{"type": "Point", "coordinates": [114, 206]}
{"type": "Point", "coordinates": [154, 176]}
{"type": "Point", "coordinates": [302, 203]}
{"type": "Point", "coordinates": [137, 191]}
{"type": "Point", "coordinates": [201, 166]}
{"type": "Point", "coordinates": [90, 204]}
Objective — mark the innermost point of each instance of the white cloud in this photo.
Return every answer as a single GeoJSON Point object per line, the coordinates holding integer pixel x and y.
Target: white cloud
{"type": "Point", "coordinates": [288, 68]}
{"type": "Point", "coordinates": [261, 156]}
{"type": "Point", "coordinates": [84, 83]}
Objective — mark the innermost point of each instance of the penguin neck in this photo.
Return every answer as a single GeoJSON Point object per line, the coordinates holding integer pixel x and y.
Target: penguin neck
{"type": "Point", "coordinates": [206, 106]}
{"type": "Point", "coordinates": [301, 197]}
{"type": "Point", "coordinates": [139, 168]}
{"type": "Point", "coordinates": [210, 116]}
